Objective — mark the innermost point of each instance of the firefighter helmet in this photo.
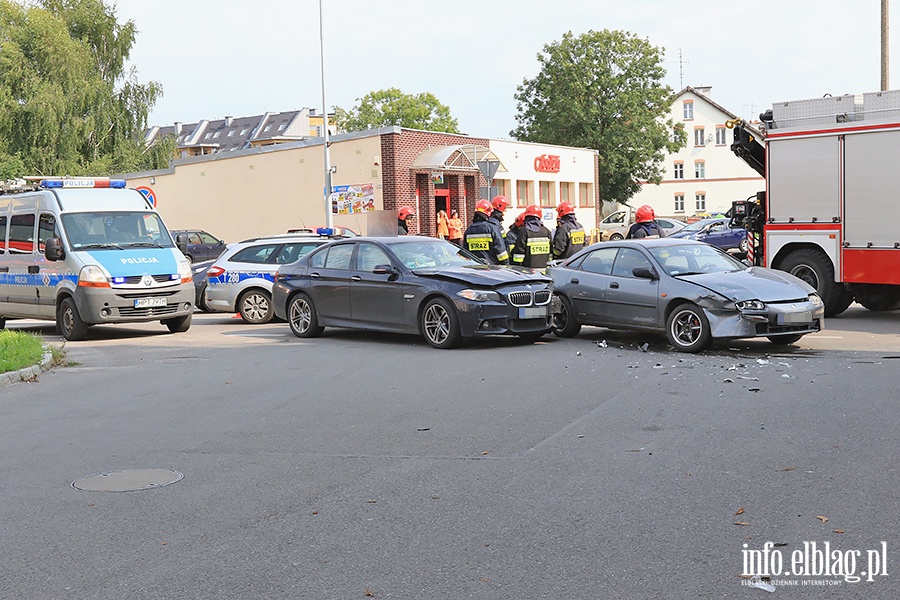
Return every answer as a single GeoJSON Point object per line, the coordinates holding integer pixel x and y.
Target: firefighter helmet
{"type": "Point", "coordinates": [500, 203]}
{"type": "Point", "coordinates": [533, 211]}
{"type": "Point", "coordinates": [484, 206]}
{"type": "Point", "coordinates": [644, 214]}
{"type": "Point", "coordinates": [404, 212]}
{"type": "Point", "coordinates": [564, 209]}
{"type": "Point", "coordinates": [520, 220]}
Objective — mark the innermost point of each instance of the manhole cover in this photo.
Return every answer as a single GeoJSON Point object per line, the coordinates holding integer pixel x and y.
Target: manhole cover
{"type": "Point", "coordinates": [130, 480]}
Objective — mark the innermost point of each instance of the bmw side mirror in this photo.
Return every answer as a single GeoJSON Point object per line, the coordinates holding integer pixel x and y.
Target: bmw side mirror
{"type": "Point", "coordinates": [644, 273]}
{"type": "Point", "coordinates": [384, 270]}
{"type": "Point", "coordinates": [181, 242]}
{"type": "Point", "coordinates": [53, 249]}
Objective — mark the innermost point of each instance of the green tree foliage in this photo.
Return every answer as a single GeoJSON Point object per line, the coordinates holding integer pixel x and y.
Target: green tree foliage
{"type": "Point", "coordinates": [68, 105]}
{"type": "Point", "coordinates": [393, 107]}
{"type": "Point", "coordinates": [602, 90]}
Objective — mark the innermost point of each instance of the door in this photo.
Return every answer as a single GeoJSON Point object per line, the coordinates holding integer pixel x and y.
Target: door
{"type": "Point", "coordinates": [21, 275]}
{"type": "Point", "coordinates": [48, 273]}
{"type": "Point", "coordinates": [375, 299]}
{"type": "Point", "coordinates": [332, 282]}
{"type": "Point", "coordinates": [588, 285]}
{"type": "Point", "coordinates": [631, 300]}
{"type": "Point", "coordinates": [209, 246]}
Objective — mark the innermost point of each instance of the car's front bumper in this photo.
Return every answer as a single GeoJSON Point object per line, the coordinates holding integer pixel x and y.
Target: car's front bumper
{"type": "Point", "coordinates": [779, 318]}
{"type": "Point", "coordinates": [495, 318]}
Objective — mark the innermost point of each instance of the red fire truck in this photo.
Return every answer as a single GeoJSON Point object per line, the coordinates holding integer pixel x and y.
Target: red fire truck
{"type": "Point", "coordinates": [830, 213]}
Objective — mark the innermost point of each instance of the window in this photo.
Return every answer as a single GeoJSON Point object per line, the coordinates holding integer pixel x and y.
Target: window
{"type": "Point", "coordinates": [268, 127]}
{"type": "Point", "coordinates": [317, 260]}
{"type": "Point", "coordinates": [586, 195]}
{"type": "Point", "coordinates": [207, 238]}
{"type": "Point", "coordinates": [231, 133]}
{"type": "Point", "coordinates": [2, 235]}
{"type": "Point", "coordinates": [502, 187]}
{"type": "Point", "coordinates": [721, 135]}
{"type": "Point", "coordinates": [699, 169]}
{"type": "Point", "coordinates": [282, 126]}
{"type": "Point", "coordinates": [566, 192]}
{"type": "Point", "coordinates": [244, 131]}
{"type": "Point", "coordinates": [255, 254]}
{"type": "Point", "coordinates": [627, 261]}
{"type": "Point", "coordinates": [21, 234]}
{"type": "Point", "coordinates": [679, 203]}
{"type": "Point", "coordinates": [339, 256]}
{"type": "Point", "coordinates": [599, 261]}
{"type": "Point", "coordinates": [701, 201]}
{"type": "Point", "coordinates": [699, 136]}
{"type": "Point", "coordinates": [524, 193]}
{"type": "Point", "coordinates": [207, 136]}
{"type": "Point", "coordinates": [370, 256]}
{"type": "Point", "coordinates": [216, 135]}
{"type": "Point", "coordinates": [194, 238]}
{"type": "Point", "coordinates": [46, 229]}
{"type": "Point", "coordinates": [688, 109]}
{"type": "Point", "coordinates": [679, 170]}
{"type": "Point", "coordinates": [548, 197]}
{"type": "Point", "coordinates": [292, 252]}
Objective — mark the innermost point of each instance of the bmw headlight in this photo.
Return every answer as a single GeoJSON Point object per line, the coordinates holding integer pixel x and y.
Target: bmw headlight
{"type": "Point", "coordinates": [479, 295]}
{"type": "Point", "coordinates": [817, 302]}
{"type": "Point", "coordinates": [750, 305]}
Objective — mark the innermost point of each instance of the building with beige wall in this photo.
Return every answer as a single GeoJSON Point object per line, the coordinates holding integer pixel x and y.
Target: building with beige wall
{"type": "Point", "coordinates": [264, 190]}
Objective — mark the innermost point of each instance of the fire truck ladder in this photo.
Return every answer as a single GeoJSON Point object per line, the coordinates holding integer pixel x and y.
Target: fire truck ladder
{"type": "Point", "coordinates": [746, 147]}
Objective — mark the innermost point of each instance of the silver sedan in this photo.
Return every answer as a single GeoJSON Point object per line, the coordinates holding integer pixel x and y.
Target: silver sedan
{"type": "Point", "coordinates": [692, 291]}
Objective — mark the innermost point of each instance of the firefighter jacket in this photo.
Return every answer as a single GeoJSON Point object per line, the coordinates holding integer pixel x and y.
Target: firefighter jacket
{"type": "Point", "coordinates": [496, 219]}
{"type": "Point", "coordinates": [647, 229]}
{"type": "Point", "coordinates": [532, 247]}
{"type": "Point", "coordinates": [568, 238]}
{"type": "Point", "coordinates": [483, 239]}
{"type": "Point", "coordinates": [511, 236]}
{"type": "Point", "coordinates": [402, 227]}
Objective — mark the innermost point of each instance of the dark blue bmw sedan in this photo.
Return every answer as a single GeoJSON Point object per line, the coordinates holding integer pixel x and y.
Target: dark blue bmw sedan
{"type": "Point", "coordinates": [410, 284]}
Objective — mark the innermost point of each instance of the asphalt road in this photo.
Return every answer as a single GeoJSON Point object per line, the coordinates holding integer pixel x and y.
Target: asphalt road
{"type": "Point", "coordinates": [359, 465]}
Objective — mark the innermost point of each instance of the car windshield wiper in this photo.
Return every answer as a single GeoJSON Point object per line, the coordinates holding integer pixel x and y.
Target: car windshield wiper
{"type": "Point", "coordinates": [690, 273]}
{"type": "Point", "coordinates": [145, 244]}
{"type": "Point", "coordinates": [100, 246]}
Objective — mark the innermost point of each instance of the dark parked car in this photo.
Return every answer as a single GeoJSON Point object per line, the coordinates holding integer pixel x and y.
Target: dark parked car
{"type": "Point", "coordinates": [693, 292]}
{"type": "Point", "coordinates": [198, 273]}
{"type": "Point", "coordinates": [410, 284]}
{"type": "Point", "coordinates": [716, 232]}
{"type": "Point", "coordinates": [201, 245]}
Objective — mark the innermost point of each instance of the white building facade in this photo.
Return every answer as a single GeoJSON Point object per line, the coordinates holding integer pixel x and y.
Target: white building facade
{"type": "Point", "coordinates": [705, 176]}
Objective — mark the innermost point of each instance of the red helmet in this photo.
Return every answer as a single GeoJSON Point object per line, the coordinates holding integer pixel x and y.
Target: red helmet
{"type": "Point", "coordinates": [484, 206]}
{"type": "Point", "coordinates": [564, 209]}
{"type": "Point", "coordinates": [520, 220]}
{"type": "Point", "coordinates": [533, 211]}
{"type": "Point", "coordinates": [500, 203]}
{"type": "Point", "coordinates": [644, 214]}
{"type": "Point", "coordinates": [404, 212]}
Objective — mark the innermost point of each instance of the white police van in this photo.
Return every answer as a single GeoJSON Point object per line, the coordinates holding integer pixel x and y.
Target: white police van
{"type": "Point", "coordinates": [89, 251]}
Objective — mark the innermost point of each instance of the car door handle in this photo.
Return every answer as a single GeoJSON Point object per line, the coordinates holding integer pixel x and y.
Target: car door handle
{"type": "Point", "coordinates": [614, 285]}
{"type": "Point", "coordinates": [356, 278]}
{"type": "Point", "coordinates": [33, 268]}
{"type": "Point", "coordinates": [314, 275]}
{"type": "Point", "coordinates": [573, 280]}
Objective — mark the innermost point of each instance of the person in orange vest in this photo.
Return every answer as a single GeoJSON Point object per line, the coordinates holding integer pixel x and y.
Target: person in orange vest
{"type": "Point", "coordinates": [443, 225]}
{"type": "Point", "coordinates": [455, 226]}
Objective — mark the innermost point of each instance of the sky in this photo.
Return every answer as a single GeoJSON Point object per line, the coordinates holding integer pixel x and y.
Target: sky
{"type": "Point", "coordinates": [217, 58]}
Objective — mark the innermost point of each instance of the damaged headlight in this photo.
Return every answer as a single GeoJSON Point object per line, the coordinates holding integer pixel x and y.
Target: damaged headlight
{"type": "Point", "coordinates": [817, 302]}
{"type": "Point", "coordinates": [479, 295]}
{"type": "Point", "coordinates": [750, 305]}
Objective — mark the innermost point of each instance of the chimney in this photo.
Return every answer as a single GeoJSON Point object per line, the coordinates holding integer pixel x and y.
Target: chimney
{"type": "Point", "coordinates": [177, 127]}
{"type": "Point", "coordinates": [228, 121]}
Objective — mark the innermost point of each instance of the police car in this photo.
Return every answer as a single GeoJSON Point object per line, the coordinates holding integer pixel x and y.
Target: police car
{"type": "Point", "coordinates": [240, 280]}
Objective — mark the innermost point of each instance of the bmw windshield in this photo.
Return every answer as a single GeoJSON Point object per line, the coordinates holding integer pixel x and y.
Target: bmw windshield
{"type": "Point", "coordinates": [115, 230]}
{"type": "Point", "coordinates": [694, 259]}
{"type": "Point", "coordinates": [423, 254]}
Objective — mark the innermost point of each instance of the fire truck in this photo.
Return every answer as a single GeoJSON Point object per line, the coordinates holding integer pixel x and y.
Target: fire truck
{"type": "Point", "coordinates": [830, 213]}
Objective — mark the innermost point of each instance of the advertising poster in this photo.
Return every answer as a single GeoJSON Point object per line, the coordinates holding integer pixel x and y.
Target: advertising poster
{"type": "Point", "coordinates": [352, 199]}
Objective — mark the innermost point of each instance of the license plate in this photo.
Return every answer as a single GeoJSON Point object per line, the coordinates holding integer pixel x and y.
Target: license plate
{"type": "Point", "coordinates": [793, 318]}
{"type": "Point", "coordinates": [149, 302]}
{"type": "Point", "coordinates": [533, 312]}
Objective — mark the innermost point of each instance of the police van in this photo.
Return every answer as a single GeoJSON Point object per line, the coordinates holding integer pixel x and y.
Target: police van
{"type": "Point", "coordinates": [89, 251]}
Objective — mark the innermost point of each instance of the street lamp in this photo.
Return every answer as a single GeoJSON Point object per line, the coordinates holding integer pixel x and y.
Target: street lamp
{"type": "Point", "coordinates": [329, 219]}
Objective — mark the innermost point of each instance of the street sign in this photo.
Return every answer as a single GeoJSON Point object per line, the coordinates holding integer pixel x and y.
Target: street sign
{"type": "Point", "coordinates": [148, 193]}
{"type": "Point", "coordinates": [488, 168]}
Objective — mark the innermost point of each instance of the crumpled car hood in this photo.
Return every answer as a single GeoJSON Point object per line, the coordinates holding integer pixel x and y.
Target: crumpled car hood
{"type": "Point", "coordinates": [755, 283]}
{"type": "Point", "coordinates": [486, 275]}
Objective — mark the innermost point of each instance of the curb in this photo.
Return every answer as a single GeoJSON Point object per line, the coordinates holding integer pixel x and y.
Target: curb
{"type": "Point", "coordinates": [27, 373]}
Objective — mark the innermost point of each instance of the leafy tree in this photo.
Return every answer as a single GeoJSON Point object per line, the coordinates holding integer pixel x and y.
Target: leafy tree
{"type": "Point", "coordinates": [602, 90]}
{"type": "Point", "coordinates": [392, 107]}
{"type": "Point", "coordinates": [68, 105]}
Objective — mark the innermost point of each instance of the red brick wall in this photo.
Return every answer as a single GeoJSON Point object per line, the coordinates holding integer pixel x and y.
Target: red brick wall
{"type": "Point", "coordinates": [398, 151]}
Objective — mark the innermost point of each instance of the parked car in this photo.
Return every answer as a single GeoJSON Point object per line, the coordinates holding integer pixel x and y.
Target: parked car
{"type": "Point", "coordinates": [410, 284]}
{"type": "Point", "coordinates": [199, 275]}
{"type": "Point", "coordinates": [692, 291]}
{"type": "Point", "coordinates": [241, 279]}
{"type": "Point", "coordinates": [669, 226]}
{"type": "Point", "coordinates": [717, 232]}
{"type": "Point", "coordinates": [201, 245]}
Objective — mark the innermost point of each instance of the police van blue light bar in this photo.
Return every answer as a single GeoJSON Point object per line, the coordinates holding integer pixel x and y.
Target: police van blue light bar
{"type": "Point", "coordinates": [82, 183]}
{"type": "Point", "coordinates": [325, 231]}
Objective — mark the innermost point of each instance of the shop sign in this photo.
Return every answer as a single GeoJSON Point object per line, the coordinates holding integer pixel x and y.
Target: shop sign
{"type": "Point", "coordinates": [546, 163]}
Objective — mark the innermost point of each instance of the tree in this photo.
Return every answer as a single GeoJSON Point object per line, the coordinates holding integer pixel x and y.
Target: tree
{"type": "Point", "coordinates": [392, 107]}
{"type": "Point", "coordinates": [602, 90]}
{"type": "Point", "coordinates": [68, 105]}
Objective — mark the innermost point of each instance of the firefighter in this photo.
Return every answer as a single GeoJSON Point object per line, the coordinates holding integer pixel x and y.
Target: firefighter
{"type": "Point", "coordinates": [532, 247]}
{"type": "Point", "coordinates": [402, 215]}
{"type": "Point", "coordinates": [569, 235]}
{"type": "Point", "coordinates": [499, 205]}
{"type": "Point", "coordinates": [645, 225]}
{"type": "Point", "coordinates": [513, 232]}
{"type": "Point", "coordinates": [483, 239]}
